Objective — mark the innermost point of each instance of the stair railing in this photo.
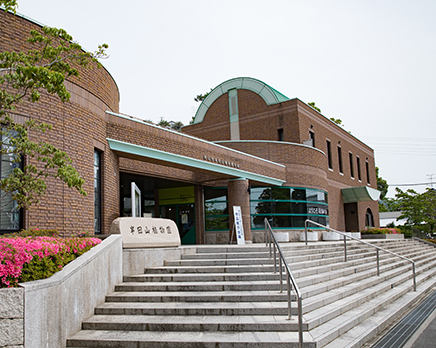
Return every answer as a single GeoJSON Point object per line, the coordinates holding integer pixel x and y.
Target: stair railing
{"type": "Point", "coordinates": [271, 240]}
{"type": "Point", "coordinates": [346, 236]}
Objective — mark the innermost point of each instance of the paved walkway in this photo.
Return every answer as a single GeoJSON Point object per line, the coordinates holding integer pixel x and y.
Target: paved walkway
{"type": "Point", "coordinates": [425, 336]}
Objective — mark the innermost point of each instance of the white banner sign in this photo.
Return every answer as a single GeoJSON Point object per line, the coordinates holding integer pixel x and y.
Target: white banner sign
{"type": "Point", "coordinates": [239, 228]}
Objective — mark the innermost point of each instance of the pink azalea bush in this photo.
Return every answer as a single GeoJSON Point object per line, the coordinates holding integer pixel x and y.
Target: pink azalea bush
{"type": "Point", "coordinates": [29, 258]}
{"type": "Point", "coordinates": [374, 230]}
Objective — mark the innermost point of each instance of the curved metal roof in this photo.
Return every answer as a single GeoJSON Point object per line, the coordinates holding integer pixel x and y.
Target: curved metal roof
{"type": "Point", "coordinates": [269, 94]}
{"type": "Point", "coordinates": [359, 194]}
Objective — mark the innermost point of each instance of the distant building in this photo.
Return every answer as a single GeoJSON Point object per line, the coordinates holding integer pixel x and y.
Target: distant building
{"type": "Point", "coordinates": [390, 217]}
{"type": "Point", "coordinates": [250, 146]}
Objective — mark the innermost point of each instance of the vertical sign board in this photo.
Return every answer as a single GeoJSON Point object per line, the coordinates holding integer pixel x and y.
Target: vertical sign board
{"type": "Point", "coordinates": [239, 228]}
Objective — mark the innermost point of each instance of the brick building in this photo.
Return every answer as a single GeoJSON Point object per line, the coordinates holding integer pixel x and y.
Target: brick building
{"type": "Point", "coordinates": [250, 146]}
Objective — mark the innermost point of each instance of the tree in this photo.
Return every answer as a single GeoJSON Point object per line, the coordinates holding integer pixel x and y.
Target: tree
{"type": "Point", "coordinates": [313, 106]}
{"type": "Point", "coordinates": [25, 76]}
{"type": "Point", "coordinates": [201, 97]}
{"type": "Point", "coordinates": [174, 125]}
{"type": "Point", "coordinates": [382, 184]}
{"type": "Point", "coordinates": [418, 209]}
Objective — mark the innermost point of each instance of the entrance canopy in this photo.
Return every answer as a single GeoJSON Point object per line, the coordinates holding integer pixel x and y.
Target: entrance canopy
{"type": "Point", "coordinates": [175, 160]}
{"type": "Point", "coordinates": [359, 194]}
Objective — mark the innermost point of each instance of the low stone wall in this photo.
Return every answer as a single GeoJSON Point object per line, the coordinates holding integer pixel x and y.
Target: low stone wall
{"type": "Point", "coordinates": [43, 313]}
{"type": "Point", "coordinates": [12, 317]}
{"type": "Point", "coordinates": [382, 236]}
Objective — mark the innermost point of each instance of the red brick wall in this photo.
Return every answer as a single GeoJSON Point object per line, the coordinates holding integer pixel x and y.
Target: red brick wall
{"type": "Point", "coordinates": [78, 127]}
{"type": "Point", "coordinates": [304, 166]}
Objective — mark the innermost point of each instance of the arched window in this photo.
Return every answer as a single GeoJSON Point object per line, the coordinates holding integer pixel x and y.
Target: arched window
{"type": "Point", "coordinates": [369, 219]}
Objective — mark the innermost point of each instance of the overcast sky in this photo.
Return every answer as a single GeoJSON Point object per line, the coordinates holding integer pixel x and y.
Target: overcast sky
{"type": "Point", "coordinates": [371, 64]}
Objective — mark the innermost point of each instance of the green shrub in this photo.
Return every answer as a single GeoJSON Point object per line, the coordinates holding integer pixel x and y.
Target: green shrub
{"type": "Point", "coordinates": [33, 232]}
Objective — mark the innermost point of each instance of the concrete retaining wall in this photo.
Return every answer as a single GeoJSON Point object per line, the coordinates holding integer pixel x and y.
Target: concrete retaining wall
{"type": "Point", "coordinates": [135, 260]}
{"type": "Point", "coordinates": [12, 317]}
{"type": "Point", "coordinates": [45, 312]}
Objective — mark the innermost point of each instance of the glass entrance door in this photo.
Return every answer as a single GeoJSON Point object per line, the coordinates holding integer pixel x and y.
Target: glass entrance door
{"type": "Point", "coordinates": [184, 217]}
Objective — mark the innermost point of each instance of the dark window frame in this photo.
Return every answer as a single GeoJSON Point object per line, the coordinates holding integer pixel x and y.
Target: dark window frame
{"type": "Point", "coordinates": [351, 165]}
{"type": "Point", "coordinates": [341, 168]}
{"type": "Point", "coordinates": [329, 154]}
{"type": "Point", "coordinates": [359, 172]}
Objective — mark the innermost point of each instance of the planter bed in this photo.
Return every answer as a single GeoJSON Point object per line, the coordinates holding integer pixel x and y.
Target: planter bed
{"type": "Point", "coordinates": [382, 236]}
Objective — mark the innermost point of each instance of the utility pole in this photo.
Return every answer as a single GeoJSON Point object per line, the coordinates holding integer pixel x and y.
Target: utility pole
{"type": "Point", "coordinates": [431, 179]}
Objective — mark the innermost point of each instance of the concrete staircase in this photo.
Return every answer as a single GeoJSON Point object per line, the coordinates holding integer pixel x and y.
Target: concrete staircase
{"type": "Point", "coordinates": [228, 296]}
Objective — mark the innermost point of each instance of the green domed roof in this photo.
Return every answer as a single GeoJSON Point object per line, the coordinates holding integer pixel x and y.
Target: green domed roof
{"type": "Point", "coordinates": [268, 94]}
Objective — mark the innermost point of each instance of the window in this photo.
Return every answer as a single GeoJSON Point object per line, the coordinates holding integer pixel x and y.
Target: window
{"type": "Point", "coordinates": [97, 192]}
{"type": "Point", "coordinates": [369, 219]}
{"type": "Point", "coordinates": [280, 134]}
{"type": "Point", "coordinates": [287, 207]}
{"type": "Point", "coordinates": [312, 137]}
{"type": "Point", "coordinates": [215, 208]}
{"type": "Point", "coordinates": [329, 154]}
{"type": "Point", "coordinates": [351, 166]}
{"type": "Point", "coordinates": [340, 159]}
{"type": "Point", "coordinates": [10, 213]}
{"type": "Point", "coordinates": [359, 176]}
{"type": "Point", "coordinates": [367, 172]}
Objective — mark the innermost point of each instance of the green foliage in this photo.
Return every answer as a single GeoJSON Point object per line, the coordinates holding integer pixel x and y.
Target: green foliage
{"type": "Point", "coordinates": [382, 184]}
{"type": "Point", "coordinates": [45, 267]}
{"type": "Point", "coordinates": [9, 5]}
{"type": "Point", "coordinates": [201, 97]}
{"type": "Point", "coordinates": [430, 240]}
{"type": "Point", "coordinates": [25, 76]}
{"type": "Point", "coordinates": [177, 126]}
{"type": "Point", "coordinates": [418, 208]}
{"type": "Point", "coordinates": [313, 106]}
{"type": "Point", "coordinates": [34, 232]}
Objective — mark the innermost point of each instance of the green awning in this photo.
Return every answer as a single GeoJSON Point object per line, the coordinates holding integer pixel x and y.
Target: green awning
{"type": "Point", "coordinates": [360, 194]}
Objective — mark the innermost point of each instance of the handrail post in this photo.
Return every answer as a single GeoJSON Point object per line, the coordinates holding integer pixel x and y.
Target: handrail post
{"type": "Point", "coordinates": [345, 248]}
{"type": "Point", "coordinates": [378, 262]}
{"type": "Point", "coordinates": [305, 231]}
{"type": "Point", "coordinates": [289, 296]}
{"type": "Point", "coordinates": [414, 276]}
{"type": "Point", "coordinates": [275, 259]}
{"type": "Point", "coordinates": [281, 276]}
{"type": "Point", "coordinates": [300, 322]}
{"type": "Point", "coordinates": [266, 235]}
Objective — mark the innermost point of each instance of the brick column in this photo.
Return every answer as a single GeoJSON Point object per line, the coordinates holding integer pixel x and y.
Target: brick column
{"type": "Point", "coordinates": [238, 195]}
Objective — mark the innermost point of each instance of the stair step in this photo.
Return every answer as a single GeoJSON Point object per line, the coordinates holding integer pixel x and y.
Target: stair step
{"type": "Point", "coordinates": [197, 296]}
{"type": "Point", "coordinates": [199, 286]}
{"type": "Point", "coordinates": [194, 308]}
{"type": "Point", "coordinates": [175, 339]}
{"type": "Point", "coordinates": [261, 323]}
{"type": "Point", "coordinates": [228, 296]}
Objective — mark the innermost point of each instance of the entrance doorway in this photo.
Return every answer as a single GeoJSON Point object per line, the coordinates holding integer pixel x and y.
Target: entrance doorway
{"type": "Point", "coordinates": [160, 198]}
{"type": "Point", "coordinates": [184, 217]}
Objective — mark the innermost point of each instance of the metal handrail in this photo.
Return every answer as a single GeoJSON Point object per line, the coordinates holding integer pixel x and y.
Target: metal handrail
{"type": "Point", "coordinates": [424, 241]}
{"type": "Point", "coordinates": [269, 236]}
{"type": "Point", "coordinates": [361, 241]}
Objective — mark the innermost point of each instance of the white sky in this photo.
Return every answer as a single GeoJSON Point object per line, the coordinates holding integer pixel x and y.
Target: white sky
{"type": "Point", "coordinates": [370, 63]}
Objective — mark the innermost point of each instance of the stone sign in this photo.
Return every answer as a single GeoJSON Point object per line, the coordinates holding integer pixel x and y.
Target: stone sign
{"type": "Point", "coordinates": [146, 232]}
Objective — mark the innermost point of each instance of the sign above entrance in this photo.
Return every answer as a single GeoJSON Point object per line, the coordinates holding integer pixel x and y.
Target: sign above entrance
{"type": "Point", "coordinates": [146, 232]}
{"type": "Point", "coordinates": [220, 161]}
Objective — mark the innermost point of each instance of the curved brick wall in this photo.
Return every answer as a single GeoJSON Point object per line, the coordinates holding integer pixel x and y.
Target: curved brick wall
{"type": "Point", "coordinates": [304, 165]}
{"type": "Point", "coordinates": [79, 126]}
{"type": "Point", "coordinates": [14, 31]}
